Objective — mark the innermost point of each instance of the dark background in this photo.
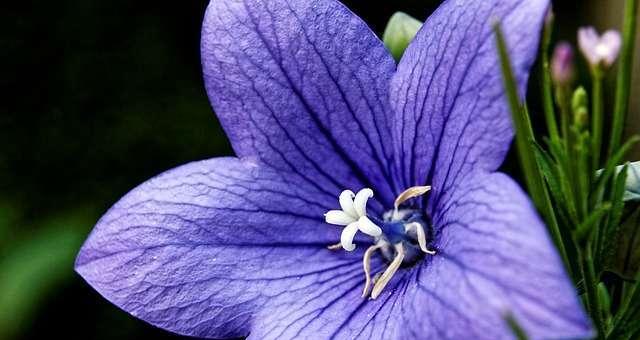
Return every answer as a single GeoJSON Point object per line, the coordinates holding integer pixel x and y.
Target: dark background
{"type": "Point", "coordinates": [96, 97]}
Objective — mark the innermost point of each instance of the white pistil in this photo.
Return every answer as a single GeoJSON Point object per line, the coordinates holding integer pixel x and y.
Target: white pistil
{"type": "Point", "coordinates": [360, 201]}
{"type": "Point", "coordinates": [368, 227]}
{"type": "Point", "coordinates": [348, 233]}
{"type": "Point", "coordinates": [353, 216]}
{"type": "Point", "coordinates": [389, 272]}
{"type": "Point", "coordinates": [338, 217]}
{"type": "Point", "coordinates": [346, 203]}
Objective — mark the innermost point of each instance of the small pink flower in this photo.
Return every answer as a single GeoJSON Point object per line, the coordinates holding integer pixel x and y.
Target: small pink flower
{"type": "Point", "coordinates": [599, 50]}
{"type": "Point", "coordinates": [562, 66]}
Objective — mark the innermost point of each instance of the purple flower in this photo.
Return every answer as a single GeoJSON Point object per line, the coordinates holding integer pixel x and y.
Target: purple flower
{"type": "Point", "coordinates": [562, 65]}
{"type": "Point", "coordinates": [599, 50]}
{"type": "Point", "coordinates": [314, 106]}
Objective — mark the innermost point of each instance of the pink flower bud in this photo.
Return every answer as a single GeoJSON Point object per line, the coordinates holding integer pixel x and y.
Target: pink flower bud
{"type": "Point", "coordinates": [599, 50]}
{"type": "Point", "coordinates": [562, 67]}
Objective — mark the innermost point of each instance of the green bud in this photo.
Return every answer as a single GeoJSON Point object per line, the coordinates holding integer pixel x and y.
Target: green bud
{"type": "Point", "coordinates": [605, 299]}
{"type": "Point", "coordinates": [580, 107]}
{"type": "Point", "coordinates": [400, 30]}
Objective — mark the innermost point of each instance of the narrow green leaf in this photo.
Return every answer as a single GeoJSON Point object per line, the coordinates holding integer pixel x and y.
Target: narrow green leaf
{"type": "Point", "coordinates": [524, 140]}
{"type": "Point", "coordinates": [585, 228]}
{"type": "Point", "coordinates": [591, 292]}
{"type": "Point", "coordinates": [549, 172]}
{"type": "Point", "coordinates": [547, 89]}
{"type": "Point", "coordinates": [399, 32]}
{"type": "Point", "coordinates": [625, 261]}
{"type": "Point", "coordinates": [627, 321]}
{"type": "Point", "coordinates": [515, 327]}
{"type": "Point", "coordinates": [564, 169]}
{"type": "Point", "coordinates": [555, 178]}
{"type": "Point", "coordinates": [623, 84]}
{"type": "Point", "coordinates": [609, 234]}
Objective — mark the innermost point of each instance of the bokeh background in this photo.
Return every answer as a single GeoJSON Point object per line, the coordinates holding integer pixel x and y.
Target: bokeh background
{"type": "Point", "coordinates": [95, 98]}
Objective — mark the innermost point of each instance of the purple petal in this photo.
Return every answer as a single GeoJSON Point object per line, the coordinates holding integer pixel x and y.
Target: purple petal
{"type": "Point", "coordinates": [201, 250]}
{"type": "Point", "coordinates": [494, 258]}
{"type": "Point", "coordinates": [452, 115]}
{"type": "Point", "coordinates": [302, 86]}
{"type": "Point", "coordinates": [223, 248]}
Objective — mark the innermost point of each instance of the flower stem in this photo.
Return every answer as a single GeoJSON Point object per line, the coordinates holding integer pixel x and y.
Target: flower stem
{"type": "Point", "coordinates": [591, 293]}
{"type": "Point", "coordinates": [547, 90]}
{"type": "Point", "coordinates": [623, 84]}
{"type": "Point", "coordinates": [596, 123]}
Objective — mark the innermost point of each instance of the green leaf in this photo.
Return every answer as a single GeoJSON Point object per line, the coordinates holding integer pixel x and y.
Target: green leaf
{"type": "Point", "coordinates": [399, 32]}
{"type": "Point", "coordinates": [623, 84]}
{"type": "Point", "coordinates": [34, 267]}
{"type": "Point", "coordinates": [524, 142]}
{"type": "Point", "coordinates": [626, 324]}
{"type": "Point", "coordinates": [612, 228]}
{"type": "Point", "coordinates": [585, 228]}
{"type": "Point", "coordinates": [555, 178]}
{"type": "Point", "coordinates": [515, 327]}
{"type": "Point", "coordinates": [626, 261]}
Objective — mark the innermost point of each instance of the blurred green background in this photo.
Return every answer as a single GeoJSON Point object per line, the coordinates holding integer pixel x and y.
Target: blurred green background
{"type": "Point", "coordinates": [96, 97]}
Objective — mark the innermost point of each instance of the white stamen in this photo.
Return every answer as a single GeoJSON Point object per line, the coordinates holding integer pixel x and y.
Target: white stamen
{"type": "Point", "coordinates": [360, 201]}
{"type": "Point", "coordinates": [389, 272]}
{"type": "Point", "coordinates": [368, 227]}
{"type": "Point", "coordinates": [338, 217]}
{"type": "Point", "coordinates": [422, 237]}
{"type": "Point", "coordinates": [346, 238]}
{"type": "Point", "coordinates": [366, 264]}
{"type": "Point", "coordinates": [346, 203]}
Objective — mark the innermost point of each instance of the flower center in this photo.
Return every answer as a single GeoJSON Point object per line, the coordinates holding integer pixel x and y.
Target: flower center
{"type": "Point", "coordinates": [400, 236]}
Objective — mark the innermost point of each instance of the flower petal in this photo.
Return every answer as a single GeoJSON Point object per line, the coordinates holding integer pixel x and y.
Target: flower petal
{"type": "Point", "coordinates": [493, 258]}
{"type": "Point", "coordinates": [204, 248]}
{"type": "Point", "coordinates": [448, 93]}
{"type": "Point", "coordinates": [302, 86]}
{"type": "Point", "coordinates": [613, 41]}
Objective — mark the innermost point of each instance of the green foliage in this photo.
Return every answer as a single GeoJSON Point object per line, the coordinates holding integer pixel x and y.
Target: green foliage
{"type": "Point", "coordinates": [35, 266]}
{"type": "Point", "coordinates": [515, 327]}
{"type": "Point", "coordinates": [592, 213]}
{"type": "Point", "coordinates": [525, 143]}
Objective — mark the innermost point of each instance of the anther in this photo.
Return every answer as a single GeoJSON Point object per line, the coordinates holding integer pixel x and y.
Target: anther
{"type": "Point", "coordinates": [420, 234]}
{"type": "Point", "coordinates": [336, 246]}
{"type": "Point", "coordinates": [389, 272]}
{"type": "Point", "coordinates": [407, 195]}
{"type": "Point", "coordinates": [366, 264]}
